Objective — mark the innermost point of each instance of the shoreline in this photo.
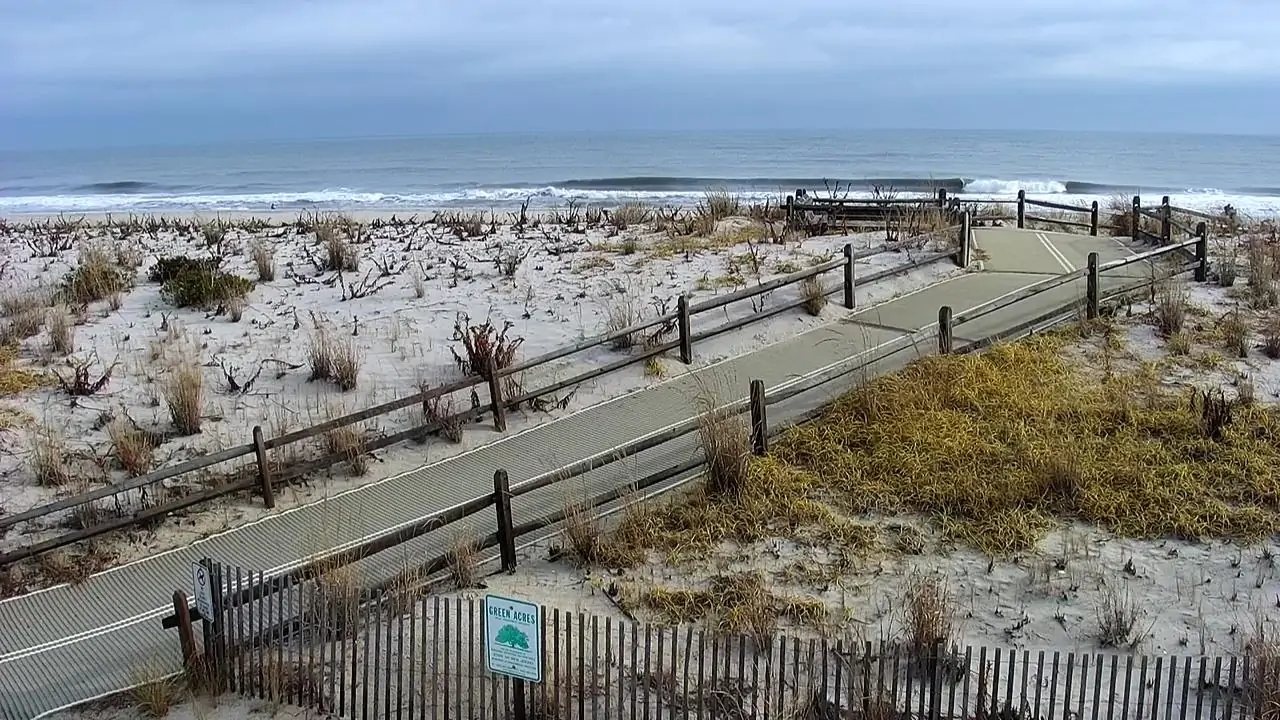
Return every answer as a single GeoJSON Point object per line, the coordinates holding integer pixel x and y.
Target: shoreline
{"type": "Point", "coordinates": [503, 213]}
{"type": "Point", "coordinates": [1254, 206]}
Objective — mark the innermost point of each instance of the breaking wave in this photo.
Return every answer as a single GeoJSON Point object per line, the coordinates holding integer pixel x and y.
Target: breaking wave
{"type": "Point", "coordinates": [133, 196]}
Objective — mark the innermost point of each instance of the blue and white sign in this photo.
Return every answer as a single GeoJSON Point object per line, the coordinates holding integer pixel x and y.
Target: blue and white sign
{"type": "Point", "coordinates": [513, 638]}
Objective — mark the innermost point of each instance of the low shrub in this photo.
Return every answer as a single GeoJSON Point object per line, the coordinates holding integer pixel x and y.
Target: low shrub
{"type": "Point", "coordinates": [197, 283]}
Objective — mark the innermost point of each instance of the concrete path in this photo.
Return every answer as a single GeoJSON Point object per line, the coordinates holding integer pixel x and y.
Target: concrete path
{"type": "Point", "coordinates": [71, 643]}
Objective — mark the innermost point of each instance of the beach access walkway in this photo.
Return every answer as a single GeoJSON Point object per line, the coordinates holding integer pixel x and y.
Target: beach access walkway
{"type": "Point", "coordinates": [71, 643]}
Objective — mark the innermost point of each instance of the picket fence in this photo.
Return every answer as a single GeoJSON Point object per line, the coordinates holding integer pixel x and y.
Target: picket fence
{"type": "Point", "coordinates": [402, 654]}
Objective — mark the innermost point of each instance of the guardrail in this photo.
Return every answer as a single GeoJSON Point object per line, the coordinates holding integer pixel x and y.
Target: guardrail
{"type": "Point", "coordinates": [265, 481]}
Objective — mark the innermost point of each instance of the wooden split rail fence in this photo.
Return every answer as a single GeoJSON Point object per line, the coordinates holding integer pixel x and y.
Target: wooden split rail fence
{"type": "Point", "coordinates": [1170, 223]}
{"type": "Point", "coordinates": [304, 604]}
{"type": "Point", "coordinates": [503, 394]}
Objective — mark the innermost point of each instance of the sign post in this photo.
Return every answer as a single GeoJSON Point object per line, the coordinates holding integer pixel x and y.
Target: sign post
{"type": "Point", "coordinates": [513, 643]}
{"type": "Point", "coordinates": [203, 587]}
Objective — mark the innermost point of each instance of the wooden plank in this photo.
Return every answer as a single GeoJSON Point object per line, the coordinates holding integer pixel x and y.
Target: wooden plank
{"type": "Point", "coordinates": [399, 655]}
{"type": "Point", "coordinates": [280, 636]}
{"type": "Point", "coordinates": [471, 655]}
{"type": "Point", "coordinates": [608, 660]}
{"type": "Point", "coordinates": [438, 618]}
{"type": "Point", "coordinates": [371, 412]}
{"type": "Point", "coordinates": [137, 483]}
{"type": "Point", "coordinates": [595, 659]}
{"type": "Point", "coordinates": [581, 665]}
{"type": "Point", "coordinates": [1066, 693]}
{"type": "Point", "coordinates": [147, 515]}
{"type": "Point", "coordinates": [1058, 206]}
{"type": "Point", "coordinates": [635, 669]}
{"type": "Point", "coordinates": [342, 659]}
{"type": "Point", "coordinates": [587, 344]}
{"type": "Point", "coordinates": [413, 655]}
{"type": "Point", "coordinates": [765, 287]}
{"type": "Point", "coordinates": [1059, 221]}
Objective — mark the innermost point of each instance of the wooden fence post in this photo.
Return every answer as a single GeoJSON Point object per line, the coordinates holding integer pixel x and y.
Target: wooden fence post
{"type": "Point", "coordinates": [186, 637]}
{"type": "Point", "coordinates": [759, 421]}
{"type": "Point", "coordinates": [962, 253]}
{"type": "Point", "coordinates": [517, 696]}
{"type": "Point", "coordinates": [1091, 292]}
{"type": "Point", "coordinates": [1022, 208]}
{"type": "Point", "coordinates": [506, 533]}
{"type": "Point", "coordinates": [215, 648]}
{"type": "Point", "coordinates": [790, 202]}
{"type": "Point", "coordinates": [1093, 219]}
{"type": "Point", "coordinates": [264, 470]}
{"type": "Point", "coordinates": [1136, 219]}
{"type": "Point", "coordinates": [1166, 221]}
{"type": "Point", "coordinates": [848, 276]}
{"type": "Point", "coordinates": [1202, 251]}
{"type": "Point", "coordinates": [682, 323]}
{"type": "Point", "coordinates": [495, 396]}
{"type": "Point", "coordinates": [944, 330]}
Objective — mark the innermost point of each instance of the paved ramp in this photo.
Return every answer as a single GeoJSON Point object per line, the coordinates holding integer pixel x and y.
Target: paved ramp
{"type": "Point", "coordinates": [70, 643]}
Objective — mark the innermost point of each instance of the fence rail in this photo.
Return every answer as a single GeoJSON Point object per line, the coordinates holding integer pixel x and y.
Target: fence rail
{"type": "Point", "coordinates": [409, 656]}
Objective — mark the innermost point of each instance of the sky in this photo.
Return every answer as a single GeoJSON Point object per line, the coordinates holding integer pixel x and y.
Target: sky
{"type": "Point", "coordinates": [90, 72]}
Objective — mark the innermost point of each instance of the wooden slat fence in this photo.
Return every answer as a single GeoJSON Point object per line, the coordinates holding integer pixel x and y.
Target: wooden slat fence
{"type": "Point", "coordinates": [406, 655]}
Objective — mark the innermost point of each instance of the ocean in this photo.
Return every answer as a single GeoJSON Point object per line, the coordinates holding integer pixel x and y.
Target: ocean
{"type": "Point", "coordinates": [501, 171]}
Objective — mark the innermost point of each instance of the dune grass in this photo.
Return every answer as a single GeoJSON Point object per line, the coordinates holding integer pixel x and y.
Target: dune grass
{"type": "Point", "coordinates": [996, 447]}
{"type": "Point", "coordinates": [14, 379]}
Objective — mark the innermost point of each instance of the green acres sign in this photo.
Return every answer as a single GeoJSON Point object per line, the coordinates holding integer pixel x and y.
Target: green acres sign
{"type": "Point", "coordinates": [513, 638]}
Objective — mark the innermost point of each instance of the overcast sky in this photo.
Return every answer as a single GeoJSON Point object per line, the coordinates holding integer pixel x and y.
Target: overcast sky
{"type": "Point", "coordinates": [81, 72]}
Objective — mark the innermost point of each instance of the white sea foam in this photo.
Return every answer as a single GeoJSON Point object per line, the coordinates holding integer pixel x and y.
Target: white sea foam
{"type": "Point", "coordinates": [1011, 187]}
{"type": "Point", "coordinates": [1207, 199]}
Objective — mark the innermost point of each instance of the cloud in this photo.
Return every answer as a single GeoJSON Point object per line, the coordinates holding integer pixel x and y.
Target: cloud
{"type": "Point", "coordinates": [87, 53]}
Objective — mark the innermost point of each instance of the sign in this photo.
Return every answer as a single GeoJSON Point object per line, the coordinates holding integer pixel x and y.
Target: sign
{"type": "Point", "coordinates": [203, 586]}
{"type": "Point", "coordinates": [513, 638]}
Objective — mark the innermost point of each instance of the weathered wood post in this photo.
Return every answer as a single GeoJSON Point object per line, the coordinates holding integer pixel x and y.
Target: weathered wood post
{"type": "Point", "coordinates": [186, 636]}
{"type": "Point", "coordinates": [506, 533]}
{"type": "Point", "coordinates": [264, 470]}
{"type": "Point", "coordinates": [1136, 218]}
{"type": "Point", "coordinates": [215, 647]}
{"type": "Point", "coordinates": [759, 421]}
{"type": "Point", "coordinates": [682, 323]}
{"type": "Point", "coordinates": [1202, 251]}
{"type": "Point", "coordinates": [1091, 288]}
{"type": "Point", "coordinates": [517, 696]}
{"type": "Point", "coordinates": [1022, 208]}
{"type": "Point", "coordinates": [1093, 219]}
{"type": "Point", "coordinates": [848, 276]}
{"type": "Point", "coordinates": [790, 209]}
{"type": "Point", "coordinates": [945, 337]}
{"type": "Point", "coordinates": [965, 240]}
{"type": "Point", "coordinates": [495, 395]}
{"type": "Point", "coordinates": [1166, 221]}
